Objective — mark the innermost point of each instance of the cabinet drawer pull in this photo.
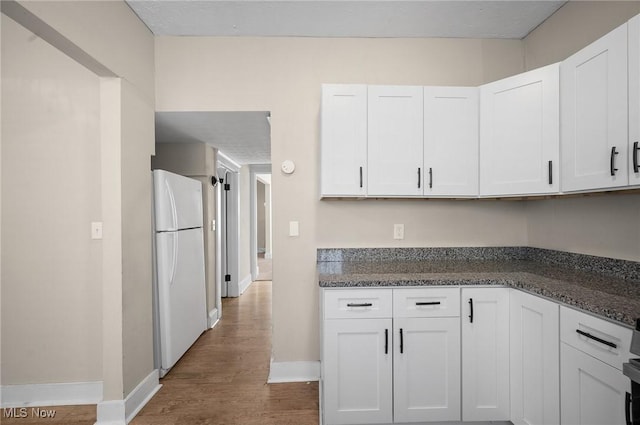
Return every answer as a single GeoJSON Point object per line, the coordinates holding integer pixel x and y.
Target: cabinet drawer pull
{"type": "Point", "coordinates": [636, 166]}
{"type": "Point", "coordinates": [359, 305]}
{"type": "Point", "coordinates": [595, 338]}
{"type": "Point", "coordinates": [550, 172]}
{"type": "Point", "coordinates": [401, 342]}
{"type": "Point", "coordinates": [386, 341]}
{"type": "Point", "coordinates": [613, 161]}
{"type": "Point", "coordinates": [360, 177]}
{"type": "Point", "coordinates": [428, 303]}
{"type": "Point", "coordinates": [419, 178]}
{"type": "Point", "coordinates": [430, 178]}
{"type": "Point", "coordinates": [471, 308]}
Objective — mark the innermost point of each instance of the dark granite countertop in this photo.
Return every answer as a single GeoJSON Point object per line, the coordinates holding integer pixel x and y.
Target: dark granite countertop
{"type": "Point", "coordinates": [612, 290]}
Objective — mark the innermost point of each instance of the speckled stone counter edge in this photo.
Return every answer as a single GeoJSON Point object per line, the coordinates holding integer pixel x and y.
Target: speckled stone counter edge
{"type": "Point", "coordinates": [622, 269]}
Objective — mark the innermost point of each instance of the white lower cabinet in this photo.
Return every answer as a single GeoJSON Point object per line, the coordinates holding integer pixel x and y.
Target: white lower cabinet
{"type": "Point", "coordinates": [592, 386]}
{"type": "Point", "coordinates": [592, 392]}
{"type": "Point", "coordinates": [485, 354]}
{"type": "Point", "coordinates": [391, 370]}
{"type": "Point", "coordinates": [426, 366]}
{"type": "Point", "coordinates": [357, 371]}
{"type": "Point", "coordinates": [476, 354]}
{"type": "Point", "coordinates": [535, 363]}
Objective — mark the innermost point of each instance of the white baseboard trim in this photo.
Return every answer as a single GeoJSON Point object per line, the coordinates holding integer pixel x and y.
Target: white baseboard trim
{"type": "Point", "coordinates": [244, 284]}
{"type": "Point", "coordinates": [141, 394]}
{"type": "Point", "coordinates": [112, 412]}
{"type": "Point", "coordinates": [213, 318]}
{"type": "Point", "coordinates": [58, 394]}
{"type": "Point", "coordinates": [293, 372]}
{"type": "Point", "coordinates": [121, 412]}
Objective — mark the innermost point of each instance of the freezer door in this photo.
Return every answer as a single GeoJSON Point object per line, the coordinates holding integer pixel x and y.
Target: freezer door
{"type": "Point", "coordinates": [181, 292]}
{"type": "Point", "coordinates": [178, 201]}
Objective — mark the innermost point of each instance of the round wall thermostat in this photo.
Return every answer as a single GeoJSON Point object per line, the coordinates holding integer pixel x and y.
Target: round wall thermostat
{"type": "Point", "coordinates": [288, 166]}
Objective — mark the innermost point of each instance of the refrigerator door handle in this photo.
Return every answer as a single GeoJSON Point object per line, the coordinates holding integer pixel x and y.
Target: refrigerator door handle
{"type": "Point", "coordinates": [172, 202]}
{"type": "Point", "coordinates": [174, 257]}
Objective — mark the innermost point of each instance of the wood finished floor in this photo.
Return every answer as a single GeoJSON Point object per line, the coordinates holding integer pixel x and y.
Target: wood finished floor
{"type": "Point", "coordinates": [222, 379]}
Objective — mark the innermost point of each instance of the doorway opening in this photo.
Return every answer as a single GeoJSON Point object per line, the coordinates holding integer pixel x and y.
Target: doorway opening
{"type": "Point", "coordinates": [261, 227]}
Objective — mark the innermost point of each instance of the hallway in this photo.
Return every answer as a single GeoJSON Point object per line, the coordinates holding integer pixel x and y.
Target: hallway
{"type": "Point", "coordinates": [222, 378]}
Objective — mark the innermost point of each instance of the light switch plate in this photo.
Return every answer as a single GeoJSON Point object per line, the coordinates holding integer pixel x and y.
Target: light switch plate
{"type": "Point", "coordinates": [294, 228]}
{"type": "Point", "coordinates": [96, 230]}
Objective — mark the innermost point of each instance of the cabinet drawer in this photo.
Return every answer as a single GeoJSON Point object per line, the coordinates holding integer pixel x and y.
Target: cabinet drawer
{"type": "Point", "coordinates": [426, 302]}
{"type": "Point", "coordinates": [357, 303]}
{"type": "Point", "coordinates": [599, 338]}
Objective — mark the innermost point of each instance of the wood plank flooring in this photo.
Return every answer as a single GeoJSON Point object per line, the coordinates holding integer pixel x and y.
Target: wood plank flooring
{"type": "Point", "coordinates": [221, 380]}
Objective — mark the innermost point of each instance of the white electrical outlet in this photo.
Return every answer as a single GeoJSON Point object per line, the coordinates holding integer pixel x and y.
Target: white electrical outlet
{"type": "Point", "coordinates": [398, 231]}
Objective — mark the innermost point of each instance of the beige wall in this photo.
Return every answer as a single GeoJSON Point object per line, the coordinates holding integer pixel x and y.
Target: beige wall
{"type": "Point", "coordinates": [605, 225]}
{"type": "Point", "coordinates": [137, 332]}
{"type": "Point", "coordinates": [284, 76]}
{"type": "Point", "coordinates": [597, 225]}
{"type": "Point", "coordinates": [51, 279]}
{"type": "Point", "coordinates": [110, 35]}
{"type": "Point", "coordinates": [196, 160]}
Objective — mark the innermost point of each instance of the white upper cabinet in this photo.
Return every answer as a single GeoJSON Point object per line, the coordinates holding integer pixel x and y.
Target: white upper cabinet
{"type": "Point", "coordinates": [395, 141]}
{"type": "Point", "coordinates": [594, 115]}
{"type": "Point", "coordinates": [451, 141]}
{"type": "Point", "coordinates": [634, 101]}
{"type": "Point", "coordinates": [519, 134]}
{"type": "Point", "coordinates": [343, 152]}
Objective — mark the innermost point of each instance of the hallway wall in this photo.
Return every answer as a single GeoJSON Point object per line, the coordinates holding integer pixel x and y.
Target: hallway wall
{"type": "Point", "coordinates": [51, 192]}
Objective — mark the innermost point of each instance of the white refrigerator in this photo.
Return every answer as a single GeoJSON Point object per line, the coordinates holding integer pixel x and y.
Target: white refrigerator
{"type": "Point", "coordinates": [180, 314]}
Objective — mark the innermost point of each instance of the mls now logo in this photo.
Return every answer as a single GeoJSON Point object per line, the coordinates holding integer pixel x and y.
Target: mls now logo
{"type": "Point", "coordinates": [23, 412]}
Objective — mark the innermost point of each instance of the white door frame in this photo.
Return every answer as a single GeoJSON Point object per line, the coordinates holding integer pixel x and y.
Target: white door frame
{"type": "Point", "coordinates": [228, 226]}
{"type": "Point", "coordinates": [254, 170]}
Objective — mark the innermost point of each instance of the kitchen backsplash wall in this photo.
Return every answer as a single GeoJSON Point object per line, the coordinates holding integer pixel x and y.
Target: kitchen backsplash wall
{"type": "Point", "coordinates": [602, 225]}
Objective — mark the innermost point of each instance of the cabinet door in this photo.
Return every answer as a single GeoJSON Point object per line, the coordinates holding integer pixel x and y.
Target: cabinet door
{"type": "Point", "coordinates": [535, 360]}
{"type": "Point", "coordinates": [634, 100]}
{"type": "Point", "coordinates": [426, 369]}
{"type": "Point", "coordinates": [451, 141]}
{"type": "Point", "coordinates": [485, 354]}
{"type": "Point", "coordinates": [592, 392]}
{"type": "Point", "coordinates": [395, 141]}
{"type": "Point", "coordinates": [594, 114]}
{"type": "Point", "coordinates": [343, 130]}
{"type": "Point", "coordinates": [357, 381]}
{"type": "Point", "coordinates": [519, 134]}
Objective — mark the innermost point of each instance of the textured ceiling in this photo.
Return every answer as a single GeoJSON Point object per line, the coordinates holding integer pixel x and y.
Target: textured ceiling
{"type": "Point", "coordinates": [345, 18]}
{"type": "Point", "coordinates": [245, 137]}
